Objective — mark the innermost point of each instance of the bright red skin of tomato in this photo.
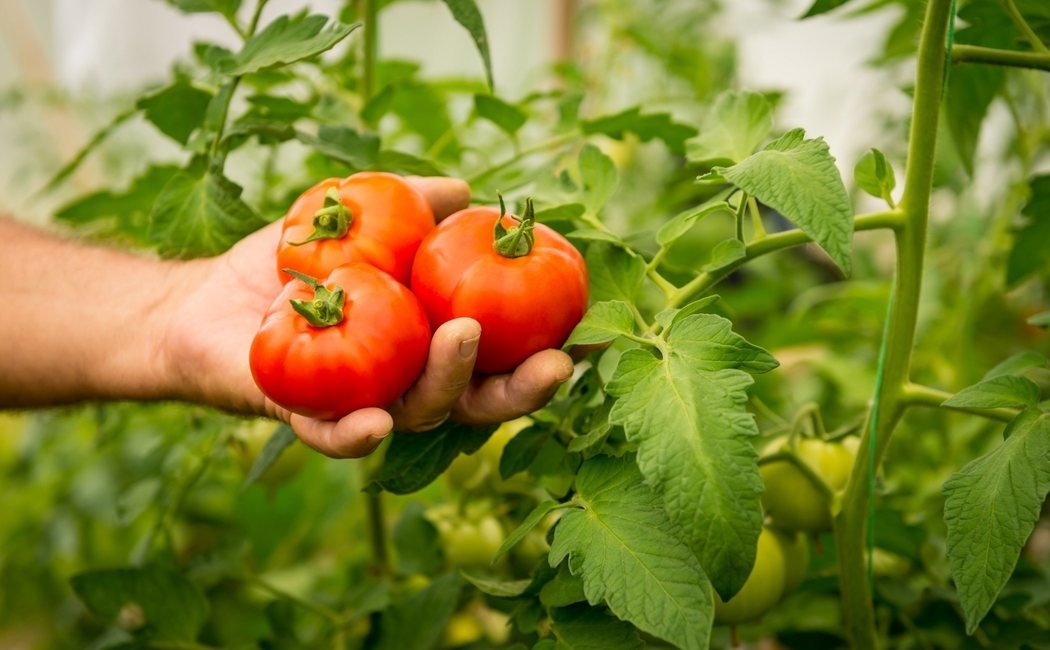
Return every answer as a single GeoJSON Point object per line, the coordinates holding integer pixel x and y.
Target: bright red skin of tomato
{"type": "Point", "coordinates": [524, 304]}
{"type": "Point", "coordinates": [369, 359]}
{"type": "Point", "coordinates": [390, 218]}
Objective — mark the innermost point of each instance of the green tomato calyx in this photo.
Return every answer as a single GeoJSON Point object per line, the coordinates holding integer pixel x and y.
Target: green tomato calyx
{"type": "Point", "coordinates": [518, 240]}
{"type": "Point", "coordinates": [326, 308]}
{"type": "Point", "coordinates": [332, 221]}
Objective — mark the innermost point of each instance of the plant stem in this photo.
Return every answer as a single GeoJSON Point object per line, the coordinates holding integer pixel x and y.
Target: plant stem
{"type": "Point", "coordinates": [1026, 29]}
{"type": "Point", "coordinates": [219, 159]}
{"type": "Point", "coordinates": [764, 245]}
{"type": "Point", "coordinates": [887, 408]}
{"type": "Point", "coordinates": [377, 533]}
{"type": "Point", "coordinates": [550, 143]}
{"type": "Point", "coordinates": [371, 48]}
{"type": "Point", "coordinates": [995, 56]}
{"type": "Point", "coordinates": [918, 395]}
{"type": "Point", "coordinates": [333, 617]}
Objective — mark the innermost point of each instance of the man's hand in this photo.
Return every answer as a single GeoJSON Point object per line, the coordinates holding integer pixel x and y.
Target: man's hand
{"type": "Point", "coordinates": [215, 307]}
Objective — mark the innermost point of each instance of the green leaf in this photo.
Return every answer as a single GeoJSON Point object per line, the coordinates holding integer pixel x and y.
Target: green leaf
{"type": "Point", "coordinates": [599, 177]}
{"type": "Point", "coordinates": [991, 507]}
{"type": "Point", "coordinates": [1002, 391]}
{"type": "Point", "coordinates": [400, 162]}
{"type": "Point", "coordinates": [823, 6]}
{"type": "Point", "coordinates": [1040, 320]}
{"type": "Point", "coordinates": [200, 214]}
{"type": "Point", "coordinates": [562, 590]}
{"type": "Point", "coordinates": [467, 14]}
{"type": "Point", "coordinates": [495, 586]}
{"type": "Point", "coordinates": [417, 623]}
{"type": "Point", "coordinates": [647, 126]}
{"type": "Point", "coordinates": [416, 541]}
{"type": "Point", "coordinates": [590, 234]}
{"type": "Point", "coordinates": [172, 608]}
{"type": "Point", "coordinates": [507, 117]}
{"type": "Point", "coordinates": [414, 460]}
{"type": "Point", "coordinates": [359, 150]}
{"type": "Point", "coordinates": [724, 253]}
{"type": "Point", "coordinates": [286, 40]}
{"type": "Point", "coordinates": [1017, 364]}
{"type": "Point", "coordinates": [798, 178]}
{"type": "Point", "coordinates": [564, 212]}
{"type": "Point", "coordinates": [588, 628]}
{"type": "Point", "coordinates": [522, 449]}
{"type": "Point", "coordinates": [176, 110]}
{"type": "Point", "coordinates": [282, 438]}
{"type": "Point", "coordinates": [874, 174]}
{"type": "Point", "coordinates": [620, 542]}
{"type": "Point", "coordinates": [687, 414]}
{"type": "Point", "coordinates": [542, 509]}
{"type": "Point", "coordinates": [67, 169]}
{"type": "Point", "coordinates": [595, 432]}
{"type": "Point", "coordinates": [971, 89]}
{"type": "Point", "coordinates": [603, 322]}
{"type": "Point", "coordinates": [227, 8]}
{"type": "Point", "coordinates": [1029, 255]}
{"type": "Point", "coordinates": [669, 317]}
{"type": "Point", "coordinates": [684, 221]}
{"type": "Point", "coordinates": [124, 206]}
{"type": "Point", "coordinates": [615, 273]}
{"type": "Point", "coordinates": [734, 127]}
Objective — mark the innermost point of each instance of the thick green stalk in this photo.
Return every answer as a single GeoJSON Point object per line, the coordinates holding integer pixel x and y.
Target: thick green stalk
{"type": "Point", "coordinates": [851, 522]}
{"type": "Point", "coordinates": [995, 56]}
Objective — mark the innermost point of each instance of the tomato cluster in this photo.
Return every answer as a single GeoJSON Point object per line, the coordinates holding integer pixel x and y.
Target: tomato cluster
{"type": "Point", "coordinates": [368, 276]}
{"type": "Point", "coordinates": [802, 478]}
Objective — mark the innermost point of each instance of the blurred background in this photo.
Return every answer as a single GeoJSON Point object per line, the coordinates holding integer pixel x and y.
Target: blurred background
{"type": "Point", "coordinates": [109, 485]}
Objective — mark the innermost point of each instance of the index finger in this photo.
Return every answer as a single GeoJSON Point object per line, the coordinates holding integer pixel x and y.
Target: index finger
{"type": "Point", "coordinates": [444, 194]}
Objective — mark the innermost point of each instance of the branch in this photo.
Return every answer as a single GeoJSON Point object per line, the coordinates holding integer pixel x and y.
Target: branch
{"type": "Point", "coordinates": [918, 395]}
{"type": "Point", "coordinates": [764, 245]}
{"type": "Point", "coordinates": [995, 56]}
{"type": "Point", "coordinates": [1026, 29]}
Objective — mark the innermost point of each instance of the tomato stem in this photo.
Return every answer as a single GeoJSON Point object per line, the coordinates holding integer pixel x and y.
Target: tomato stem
{"type": "Point", "coordinates": [517, 241]}
{"type": "Point", "coordinates": [326, 308]}
{"type": "Point", "coordinates": [332, 221]}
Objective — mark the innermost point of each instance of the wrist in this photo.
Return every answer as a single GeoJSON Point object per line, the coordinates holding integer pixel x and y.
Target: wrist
{"type": "Point", "coordinates": [167, 349]}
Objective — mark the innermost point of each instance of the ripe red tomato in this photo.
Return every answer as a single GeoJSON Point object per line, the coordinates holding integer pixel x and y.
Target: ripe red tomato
{"type": "Point", "coordinates": [524, 283]}
{"type": "Point", "coordinates": [323, 350]}
{"type": "Point", "coordinates": [372, 217]}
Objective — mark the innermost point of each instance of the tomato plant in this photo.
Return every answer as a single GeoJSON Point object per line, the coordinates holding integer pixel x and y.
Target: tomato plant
{"type": "Point", "coordinates": [846, 338]}
{"type": "Point", "coordinates": [370, 217]}
{"type": "Point", "coordinates": [522, 281]}
{"type": "Point", "coordinates": [354, 340]}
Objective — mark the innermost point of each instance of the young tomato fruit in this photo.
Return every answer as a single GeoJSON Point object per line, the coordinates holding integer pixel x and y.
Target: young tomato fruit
{"type": "Point", "coordinates": [323, 350]}
{"type": "Point", "coordinates": [763, 588]}
{"type": "Point", "coordinates": [371, 217]}
{"type": "Point", "coordinates": [791, 498]}
{"type": "Point", "coordinates": [524, 283]}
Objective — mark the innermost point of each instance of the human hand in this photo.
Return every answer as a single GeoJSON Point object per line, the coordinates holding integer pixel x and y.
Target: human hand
{"type": "Point", "coordinates": [218, 303]}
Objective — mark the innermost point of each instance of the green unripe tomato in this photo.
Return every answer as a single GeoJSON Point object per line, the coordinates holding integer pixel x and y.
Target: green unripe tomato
{"type": "Point", "coordinates": [795, 548]}
{"type": "Point", "coordinates": [249, 441]}
{"type": "Point", "coordinates": [791, 499]}
{"type": "Point", "coordinates": [462, 629]}
{"type": "Point", "coordinates": [763, 587]}
{"type": "Point", "coordinates": [472, 544]}
{"type": "Point", "coordinates": [470, 471]}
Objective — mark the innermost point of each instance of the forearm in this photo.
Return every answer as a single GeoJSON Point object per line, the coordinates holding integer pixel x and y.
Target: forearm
{"type": "Point", "coordinates": [80, 321]}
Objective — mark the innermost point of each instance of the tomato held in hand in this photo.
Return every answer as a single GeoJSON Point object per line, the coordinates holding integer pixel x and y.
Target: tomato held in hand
{"type": "Point", "coordinates": [523, 282]}
{"type": "Point", "coordinates": [359, 339]}
{"type": "Point", "coordinates": [371, 217]}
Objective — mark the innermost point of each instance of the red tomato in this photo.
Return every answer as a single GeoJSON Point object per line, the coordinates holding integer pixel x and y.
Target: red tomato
{"type": "Point", "coordinates": [371, 217]}
{"type": "Point", "coordinates": [528, 289]}
{"type": "Point", "coordinates": [323, 350]}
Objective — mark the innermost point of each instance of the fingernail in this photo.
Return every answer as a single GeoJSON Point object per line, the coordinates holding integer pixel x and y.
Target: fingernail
{"type": "Point", "coordinates": [379, 436]}
{"type": "Point", "coordinates": [469, 348]}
